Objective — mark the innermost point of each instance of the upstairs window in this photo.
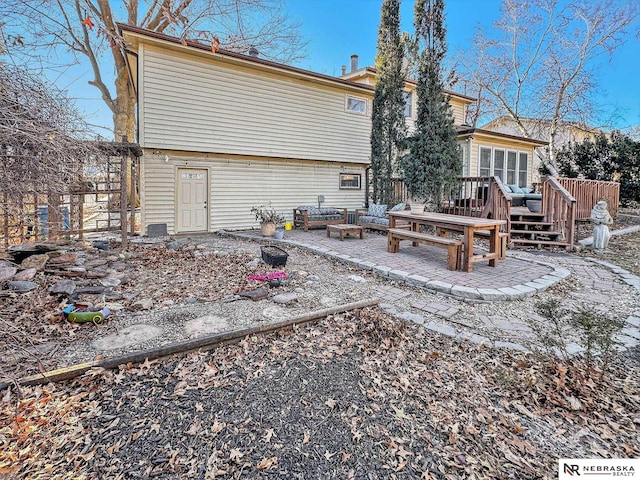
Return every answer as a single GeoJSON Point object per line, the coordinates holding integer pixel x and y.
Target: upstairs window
{"type": "Point", "coordinates": [408, 104]}
{"type": "Point", "coordinates": [356, 105]}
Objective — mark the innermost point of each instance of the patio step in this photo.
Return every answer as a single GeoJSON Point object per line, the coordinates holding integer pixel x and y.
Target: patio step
{"type": "Point", "coordinates": [550, 233]}
{"type": "Point", "coordinates": [523, 222]}
{"type": "Point", "coordinates": [525, 242]}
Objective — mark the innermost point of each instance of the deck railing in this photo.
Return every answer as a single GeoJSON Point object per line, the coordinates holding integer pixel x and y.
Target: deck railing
{"type": "Point", "coordinates": [559, 207]}
{"type": "Point", "coordinates": [480, 197]}
{"type": "Point", "coordinates": [588, 192]}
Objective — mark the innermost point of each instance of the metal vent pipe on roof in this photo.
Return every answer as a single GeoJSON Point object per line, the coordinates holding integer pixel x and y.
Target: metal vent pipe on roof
{"type": "Point", "coordinates": [354, 63]}
{"type": "Point", "coordinates": [344, 69]}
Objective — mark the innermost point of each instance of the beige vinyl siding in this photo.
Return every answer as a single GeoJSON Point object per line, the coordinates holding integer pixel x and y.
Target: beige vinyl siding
{"type": "Point", "coordinates": [458, 109]}
{"type": "Point", "coordinates": [195, 104]}
{"type": "Point", "coordinates": [238, 184]}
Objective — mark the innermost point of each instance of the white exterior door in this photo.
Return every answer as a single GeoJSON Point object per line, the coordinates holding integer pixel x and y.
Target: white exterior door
{"type": "Point", "coordinates": [193, 205]}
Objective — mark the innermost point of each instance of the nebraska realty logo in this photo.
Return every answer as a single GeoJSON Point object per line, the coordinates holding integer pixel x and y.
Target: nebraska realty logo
{"type": "Point", "coordinates": [594, 469]}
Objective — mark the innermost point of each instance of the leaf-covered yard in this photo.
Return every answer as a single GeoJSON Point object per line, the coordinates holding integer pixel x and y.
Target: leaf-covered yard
{"type": "Point", "coordinates": [357, 395]}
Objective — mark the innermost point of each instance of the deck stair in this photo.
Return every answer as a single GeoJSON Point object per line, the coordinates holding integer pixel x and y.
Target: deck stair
{"type": "Point", "coordinates": [532, 230]}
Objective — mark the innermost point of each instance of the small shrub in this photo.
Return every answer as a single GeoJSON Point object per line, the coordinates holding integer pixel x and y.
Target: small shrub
{"type": "Point", "coordinates": [595, 332]}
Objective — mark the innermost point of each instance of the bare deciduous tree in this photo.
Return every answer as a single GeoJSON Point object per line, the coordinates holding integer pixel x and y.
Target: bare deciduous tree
{"type": "Point", "coordinates": [538, 63]}
{"type": "Point", "coordinates": [86, 30]}
{"type": "Point", "coordinates": [42, 138]}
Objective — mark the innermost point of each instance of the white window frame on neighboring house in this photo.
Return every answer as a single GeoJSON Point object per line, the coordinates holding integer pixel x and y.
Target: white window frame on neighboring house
{"type": "Point", "coordinates": [511, 164]}
{"type": "Point", "coordinates": [350, 102]}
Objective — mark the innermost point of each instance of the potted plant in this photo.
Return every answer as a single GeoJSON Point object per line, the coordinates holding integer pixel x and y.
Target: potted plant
{"type": "Point", "coordinates": [268, 218]}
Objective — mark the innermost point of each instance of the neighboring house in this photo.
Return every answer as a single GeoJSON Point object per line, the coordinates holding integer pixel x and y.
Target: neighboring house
{"type": "Point", "coordinates": [222, 131]}
{"type": "Point", "coordinates": [568, 132]}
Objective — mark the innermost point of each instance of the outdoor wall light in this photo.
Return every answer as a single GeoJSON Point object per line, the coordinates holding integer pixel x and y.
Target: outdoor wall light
{"type": "Point", "coordinates": [166, 159]}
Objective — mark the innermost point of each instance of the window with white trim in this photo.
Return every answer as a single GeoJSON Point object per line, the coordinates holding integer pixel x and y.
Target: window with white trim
{"type": "Point", "coordinates": [511, 166]}
{"type": "Point", "coordinates": [408, 104]}
{"type": "Point", "coordinates": [356, 105]}
{"type": "Point", "coordinates": [350, 181]}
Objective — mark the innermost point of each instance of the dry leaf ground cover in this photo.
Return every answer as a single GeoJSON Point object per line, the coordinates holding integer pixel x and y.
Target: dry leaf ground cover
{"type": "Point", "coordinates": [357, 395]}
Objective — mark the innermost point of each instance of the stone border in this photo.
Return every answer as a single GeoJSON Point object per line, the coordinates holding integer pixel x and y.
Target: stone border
{"type": "Point", "coordinates": [458, 291]}
{"type": "Point", "coordinates": [585, 242]}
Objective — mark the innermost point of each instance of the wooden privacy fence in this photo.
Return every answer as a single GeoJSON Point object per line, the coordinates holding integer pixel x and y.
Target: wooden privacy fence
{"type": "Point", "coordinates": [101, 201]}
{"type": "Point", "coordinates": [588, 192]}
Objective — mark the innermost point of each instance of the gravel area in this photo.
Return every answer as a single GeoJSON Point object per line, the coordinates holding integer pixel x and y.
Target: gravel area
{"type": "Point", "coordinates": [196, 281]}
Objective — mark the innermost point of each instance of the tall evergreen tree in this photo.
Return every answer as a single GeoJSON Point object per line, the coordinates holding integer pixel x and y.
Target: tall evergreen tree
{"type": "Point", "coordinates": [388, 124]}
{"type": "Point", "coordinates": [432, 163]}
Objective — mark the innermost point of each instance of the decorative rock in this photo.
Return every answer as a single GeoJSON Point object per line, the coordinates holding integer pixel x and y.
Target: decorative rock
{"type": "Point", "coordinates": [191, 301]}
{"type": "Point", "coordinates": [101, 245]}
{"type": "Point", "coordinates": [144, 304]}
{"type": "Point", "coordinates": [64, 287]}
{"type": "Point", "coordinates": [91, 290]}
{"type": "Point", "coordinates": [7, 271]}
{"type": "Point", "coordinates": [119, 266]}
{"type": "Point", "coordinates": [206, 324]}
{"type": "Point", "coordinates": [25, 275]}
{"type": "Point", "coordinates": [74, 272]}
{"type": "Point", "coordinates": [311, 278]}
{"type": "Point", "coordinates": [114, 306]}
{"type": "Point", "coordinates": [173, 246]}
{"type": "Point", "coordinates": [22, 287]}
{"type": "Point", "coordinates": [131, 335]}
{"type": "Point", "coordinates": [253, 263]}
{"type": "Point", "coordinates": [284, 298]}
{"type": "Point", "coordinates": [259, 293]}
{"type": "Point", "coordinates": [298, 290]}
{"type": "Point", "coordinates": [35, 261]}
{"type": "Point", "coordinates": [327, 301]}
{"type": "Point", "coordinates": [96, 274]}
{"type": "Point", "coordinates": [64, 259]}
{"type": "Point", "coordinates": [357, 278]}
{"type": "Point", "coordinates": [411, 317]}
{"type": "Point", "coordinates": [110, 281]}
{"type": "Point", "coordinates": [98, 262]}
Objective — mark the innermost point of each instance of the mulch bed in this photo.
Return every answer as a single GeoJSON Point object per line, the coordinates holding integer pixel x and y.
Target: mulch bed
{"type": "Point", "coordinates": [357, 395]}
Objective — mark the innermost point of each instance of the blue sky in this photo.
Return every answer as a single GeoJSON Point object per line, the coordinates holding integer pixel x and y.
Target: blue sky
{"type": "Point", "coordinates": [337, 29]}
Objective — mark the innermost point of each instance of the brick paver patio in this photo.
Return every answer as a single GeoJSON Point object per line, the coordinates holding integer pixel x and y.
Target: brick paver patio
{"type": "Point", "coordinates": [427, 266]}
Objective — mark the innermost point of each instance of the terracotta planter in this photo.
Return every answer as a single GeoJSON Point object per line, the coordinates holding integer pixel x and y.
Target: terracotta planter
{"type": "Point", "coordinates": [267, 229]}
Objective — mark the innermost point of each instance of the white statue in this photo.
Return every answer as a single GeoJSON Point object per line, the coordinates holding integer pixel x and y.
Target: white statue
{"type": "Point", "coordinates": [601, 221]}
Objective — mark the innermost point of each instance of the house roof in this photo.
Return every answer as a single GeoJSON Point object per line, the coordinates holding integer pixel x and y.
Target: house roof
{"type": "Point", "coordinates": [365, 71]}
{"type": "Point", "coordinates": [344, 80]}
{"type": "Point", "coordinates": [467, 131]}
{"type": "Point", "coordinates": [503, 120]}
{"type": "Point", "coordinates": [239, 57]}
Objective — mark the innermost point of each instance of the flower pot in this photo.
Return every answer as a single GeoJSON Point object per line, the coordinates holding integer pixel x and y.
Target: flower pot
{"type": "Point", "coordinates": [267, 229]}
{"type": "Point", "coordinates": [279, 234]}
{"type": "Point", "coordinates": [417, 208]}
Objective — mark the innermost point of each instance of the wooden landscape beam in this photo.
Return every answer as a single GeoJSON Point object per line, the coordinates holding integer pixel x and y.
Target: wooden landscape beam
{"type": "Point", "coordinates": [207, 342]}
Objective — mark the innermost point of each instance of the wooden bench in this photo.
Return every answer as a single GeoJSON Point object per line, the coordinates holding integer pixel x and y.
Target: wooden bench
{"type": "Point", "coordinates": [301, 219]}
{"type": "Point", "coordinates": [504, 238]}
{"type": "Point", "coordinates": [454, 247]}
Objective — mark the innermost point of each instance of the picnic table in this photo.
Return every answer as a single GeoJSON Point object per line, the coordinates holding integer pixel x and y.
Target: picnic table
{"type": "Point", "coordinates": [446, 224]}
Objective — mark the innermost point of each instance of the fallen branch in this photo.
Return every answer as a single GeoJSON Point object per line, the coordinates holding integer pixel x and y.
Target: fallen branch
{"type": "Point", "coordinates": [208, 342]}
